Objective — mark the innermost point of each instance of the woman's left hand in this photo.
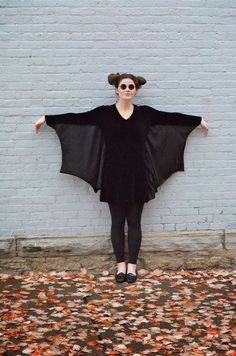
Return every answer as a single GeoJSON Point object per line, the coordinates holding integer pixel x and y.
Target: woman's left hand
{"type": "Point", "coordinates": [204, 126]}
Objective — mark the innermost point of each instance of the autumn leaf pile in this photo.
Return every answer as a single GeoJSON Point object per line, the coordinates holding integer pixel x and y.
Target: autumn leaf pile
{"type": "Point", "coordinates": [162, 313]}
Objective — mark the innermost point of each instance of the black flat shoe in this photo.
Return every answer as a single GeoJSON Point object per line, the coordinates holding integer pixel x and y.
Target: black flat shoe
{"type": "Point", "coordinates": [130, 277]}
{"type": "Point", "coordinates": [120, 277]}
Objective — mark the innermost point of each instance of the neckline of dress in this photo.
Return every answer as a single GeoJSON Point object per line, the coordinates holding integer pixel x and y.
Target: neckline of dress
{"type": "Point", "coordinates": [122, 116]}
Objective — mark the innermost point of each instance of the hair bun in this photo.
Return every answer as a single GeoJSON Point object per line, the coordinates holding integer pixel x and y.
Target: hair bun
{"type": "Point", "coordinates": [112, 78]}
{"type": "Point", "coordinates": [141, 80]}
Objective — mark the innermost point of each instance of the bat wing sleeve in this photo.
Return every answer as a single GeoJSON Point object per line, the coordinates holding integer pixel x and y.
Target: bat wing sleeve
{"type": "Point", "coordinates": [82, 144]}
{"type": "Point", "coordinates": [165, 144]}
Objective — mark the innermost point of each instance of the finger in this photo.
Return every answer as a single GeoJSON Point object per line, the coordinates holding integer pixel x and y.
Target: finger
{"type": "Point", "coordinates": [36, 128]}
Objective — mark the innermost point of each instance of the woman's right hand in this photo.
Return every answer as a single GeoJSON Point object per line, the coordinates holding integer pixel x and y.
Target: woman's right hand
{"type": "Point", "coordinates": [39, 123]}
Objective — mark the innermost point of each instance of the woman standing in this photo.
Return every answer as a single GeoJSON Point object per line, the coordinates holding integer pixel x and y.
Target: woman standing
{"type": "Point", "coordinates": [126, 151]}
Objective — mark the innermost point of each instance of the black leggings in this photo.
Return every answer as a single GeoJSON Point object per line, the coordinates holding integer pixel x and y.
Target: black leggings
{"type": "Point", "coordinates": [133, 213]}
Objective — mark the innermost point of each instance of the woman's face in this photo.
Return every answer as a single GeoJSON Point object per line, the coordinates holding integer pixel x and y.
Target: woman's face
{"type": "Point", "coordinates": [126, 89]}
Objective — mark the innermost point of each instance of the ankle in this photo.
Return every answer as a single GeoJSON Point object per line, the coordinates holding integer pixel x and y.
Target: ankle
{"type": "Point", "coordinates": [131, 268]}
{"type": "Point", "coordinates": [121, 267]}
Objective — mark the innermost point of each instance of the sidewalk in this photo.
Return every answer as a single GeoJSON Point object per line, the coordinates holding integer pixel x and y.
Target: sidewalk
{"type": "Point", "coordinates": [162, 313]}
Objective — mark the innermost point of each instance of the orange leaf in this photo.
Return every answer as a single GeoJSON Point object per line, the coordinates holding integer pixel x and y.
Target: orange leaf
{"type": "Point", "coordinates": [212, 331]}
{"type": "Point", "coordinates": [8, 316]}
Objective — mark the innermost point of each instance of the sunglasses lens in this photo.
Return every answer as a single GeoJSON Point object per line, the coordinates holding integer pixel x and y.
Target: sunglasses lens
{"type": "Point", "coordinates": [131, 86]}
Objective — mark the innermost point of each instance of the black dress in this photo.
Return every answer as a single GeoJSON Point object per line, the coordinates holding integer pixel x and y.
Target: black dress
{"type": "Point", "coordinates": [126, 159]}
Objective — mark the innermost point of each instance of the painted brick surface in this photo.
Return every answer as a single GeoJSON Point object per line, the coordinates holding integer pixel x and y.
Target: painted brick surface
{"type": "Point", "coordinates": [55, 57]}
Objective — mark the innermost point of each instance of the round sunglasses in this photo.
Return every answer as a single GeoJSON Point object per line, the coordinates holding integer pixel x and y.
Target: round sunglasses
{"type": "Point", "coordinates": [124, 86]}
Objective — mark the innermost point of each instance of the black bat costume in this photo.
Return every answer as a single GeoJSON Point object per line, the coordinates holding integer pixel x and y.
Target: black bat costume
{"type": "Point", "coordinates": [126, 159]}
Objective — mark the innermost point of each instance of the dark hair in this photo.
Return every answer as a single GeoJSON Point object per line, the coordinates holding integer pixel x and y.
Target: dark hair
{"type": "Point", "coordinates": [115, 79]}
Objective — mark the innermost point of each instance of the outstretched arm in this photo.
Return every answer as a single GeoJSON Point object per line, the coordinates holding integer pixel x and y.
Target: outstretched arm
{"type": "Point", "coordinates": [172, 118]}
{"type": "Point", "coordinates": [175, 118]}
{"type": "Point", "coordinates": [91, 117]}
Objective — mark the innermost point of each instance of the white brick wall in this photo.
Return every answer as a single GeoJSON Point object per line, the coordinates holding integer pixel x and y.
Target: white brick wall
{"type": "Point", "coordinates": [55, 57]}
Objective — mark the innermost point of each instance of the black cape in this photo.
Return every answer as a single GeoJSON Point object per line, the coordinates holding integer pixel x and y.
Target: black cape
{"type": "Point", "coordinates": [127, 159]}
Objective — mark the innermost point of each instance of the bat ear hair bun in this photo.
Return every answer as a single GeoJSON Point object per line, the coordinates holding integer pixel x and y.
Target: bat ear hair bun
{"type": "Point", "coordinates": [141, 81]}
{"type": "Point", "coordinates": [113, 78]}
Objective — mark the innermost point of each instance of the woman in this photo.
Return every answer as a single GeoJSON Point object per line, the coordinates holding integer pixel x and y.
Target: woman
{"type": "Point", "coordinates": [126, 151]}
